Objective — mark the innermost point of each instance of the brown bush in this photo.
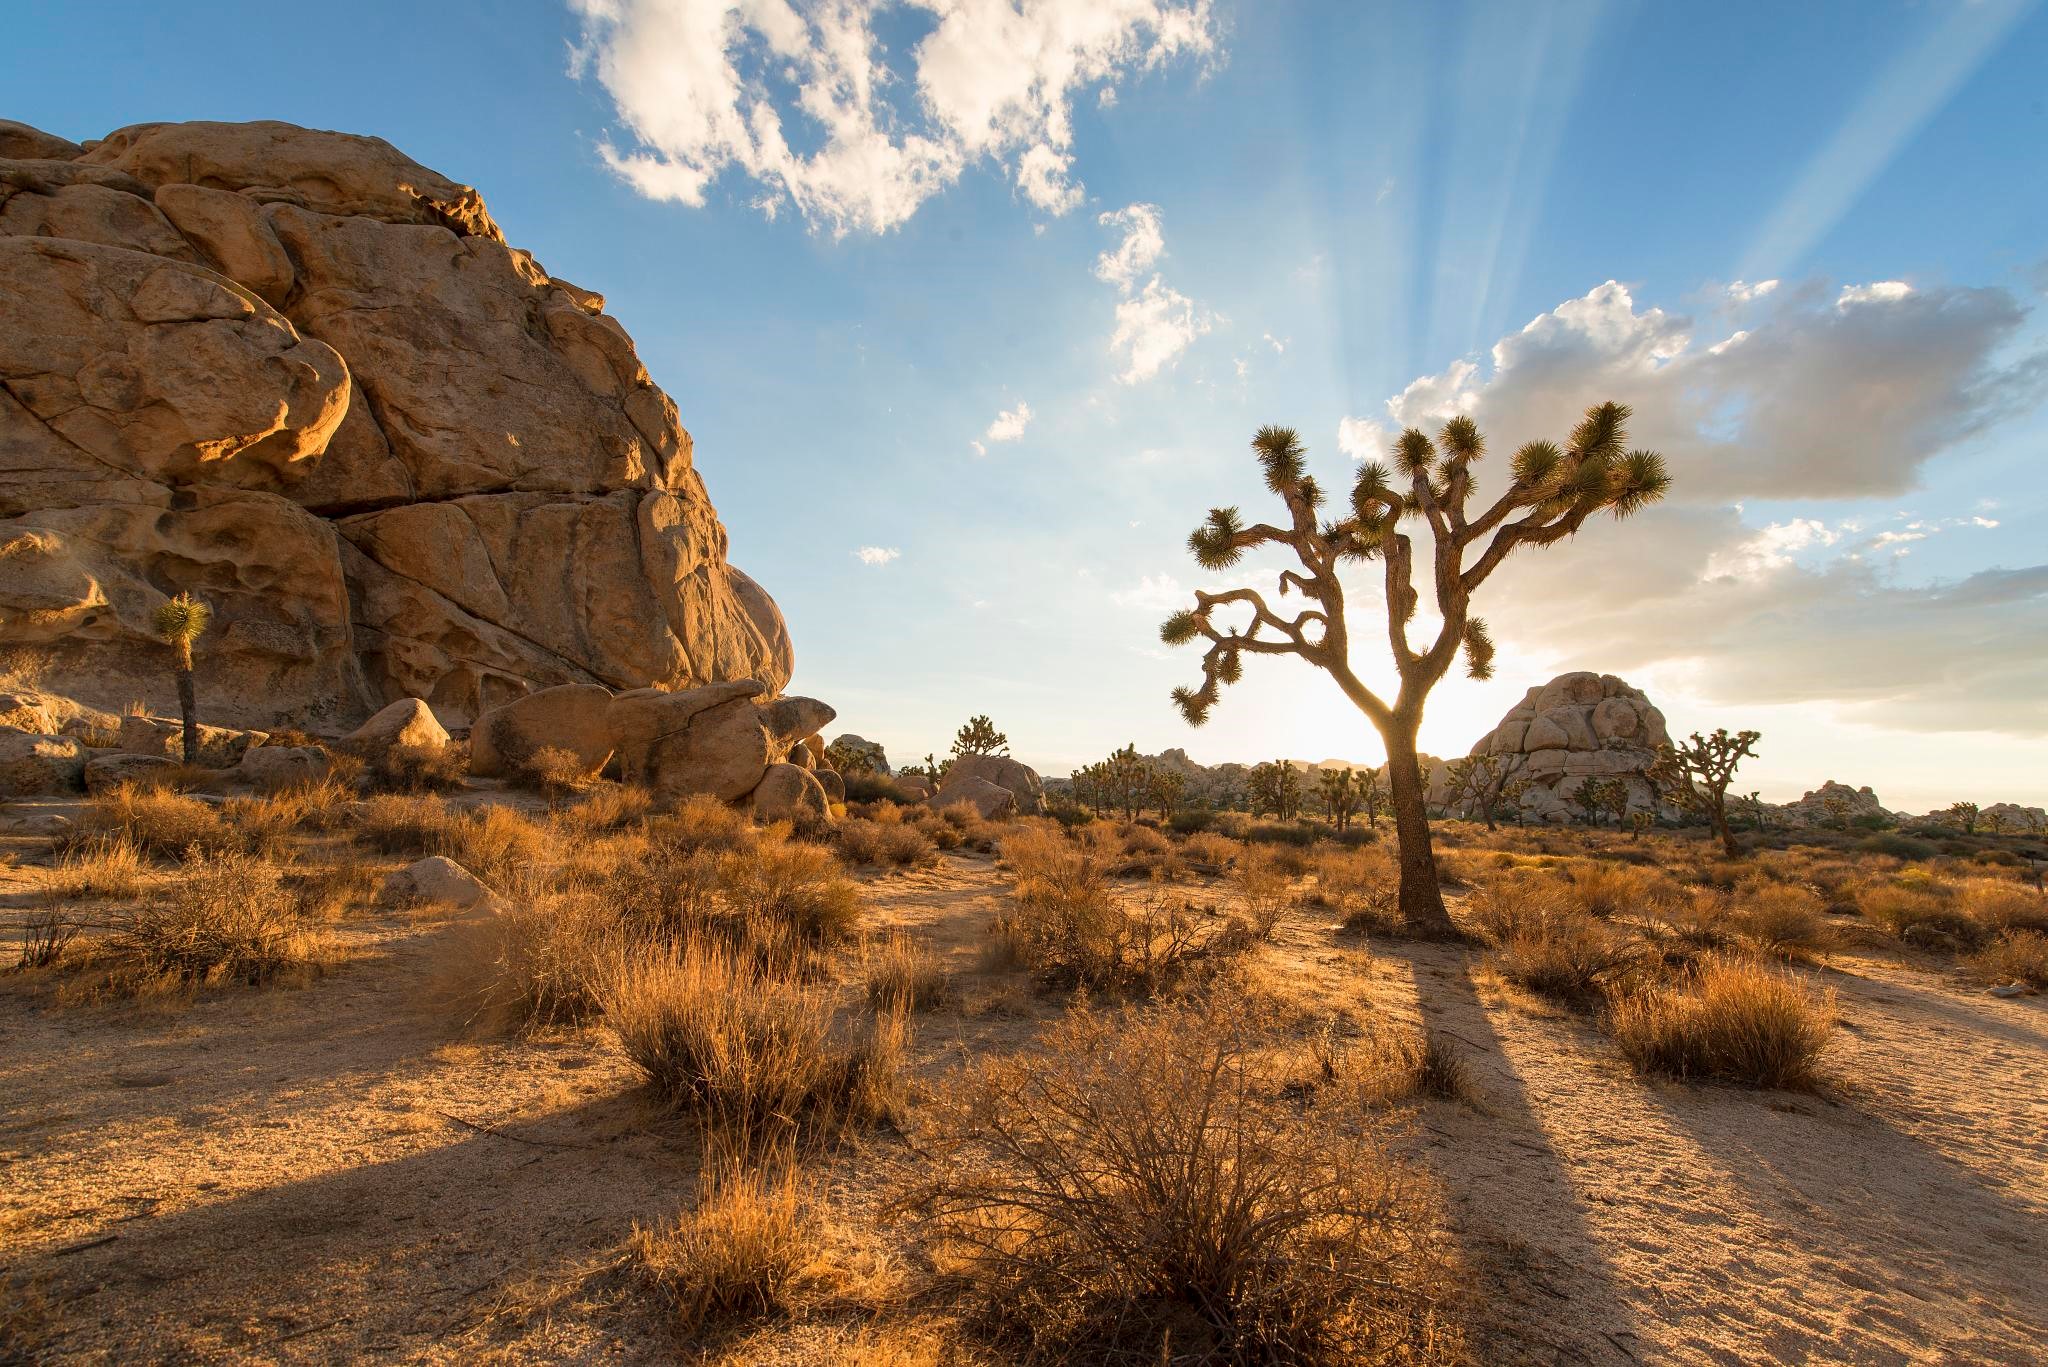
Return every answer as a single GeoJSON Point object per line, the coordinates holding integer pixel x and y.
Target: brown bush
{"type": "Point", "coordinates": [1783, 919]}
{"type": "Point", "coordinates": [1996, 904]}
{"type": "Point", "coordinates": [733, 1257]}
{"type": "Point", "coordinates": [1545, 941]}
{"type": "Point", "coordinates": [1140, 1191]}
{"type": "Point", "coordinates": [531, 966]}
{"type": "Point", "coordinates": [895, 843]}
{"type": "Point", "coordinates": [160, 823]}
{"type": "Point", "coordinates": [1363, 887]}
{"type": "Point", "coordinates": [227, 919]}
{"type": "Point", "coordinates": [555, 771]}
{"type": "Point", "coordinates": [2016, 956]}
{"type": "Point", "coordinates": [1264, 891]}
{"type": "Point", "coordinates": [106, 864]}
{"type": "Point", "coordinates": [755, 1058]}
{"type": "Point", "coordinates": [903, 975]}
{"type": "Point", "coordinates": [421, 768]}
{"type": "Point", "coordinates": [1734, 1020]}
{"type": "Point", "coordinates": [1918, 911]}
{"type": "Point", "coordinates": [608, 807]}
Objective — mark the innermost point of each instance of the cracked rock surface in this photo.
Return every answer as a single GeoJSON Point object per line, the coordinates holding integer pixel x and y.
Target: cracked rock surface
{"type": "Point", "coordinates": [305, 378]}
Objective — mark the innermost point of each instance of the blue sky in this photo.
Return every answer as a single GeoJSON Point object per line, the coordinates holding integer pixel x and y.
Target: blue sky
{"type": "Point", "coordinates": [1320, 209]}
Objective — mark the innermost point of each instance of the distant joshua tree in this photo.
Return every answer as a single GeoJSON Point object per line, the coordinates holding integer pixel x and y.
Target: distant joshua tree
{"type": "Point", "coordinates": [180, 621]}
{"type": "Point", "coordinates": [980, 737]}
{"type": "Point", "coordinates": [1696, 776]}
{"type": "Point", "coordinates": [1479, 785]}
{"type": "Point", "coordinates": [1964, 814]}
{"type": "Point", "coordinates": [1372, 798]}
{"type": "Point", "coordinates": [850, 760]}
{"type": "Point", "coordinates": [1276, 785]}
{"type": "Point", "coordinates": [1341, 796]}
{"type": "Point", "coordinates": [1550, 494]}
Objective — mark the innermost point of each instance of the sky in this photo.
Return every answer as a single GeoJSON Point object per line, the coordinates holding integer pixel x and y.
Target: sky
{"type": "Point", "coordinates": [972, 307]}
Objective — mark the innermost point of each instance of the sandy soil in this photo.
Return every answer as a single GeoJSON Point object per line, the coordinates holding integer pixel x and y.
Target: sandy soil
{"type": "Point", "coordinates": [325, 1175]}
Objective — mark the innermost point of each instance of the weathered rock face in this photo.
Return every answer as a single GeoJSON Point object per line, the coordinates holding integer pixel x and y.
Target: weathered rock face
{"type": "Point", "coordinates": [304, 377]}
{"type": "Point", "coordinates": [1578, 726]}
{"type": "Point", "coordinates": [1018, 779]}
{"type": "Point", "coordinates": [1833, 804]}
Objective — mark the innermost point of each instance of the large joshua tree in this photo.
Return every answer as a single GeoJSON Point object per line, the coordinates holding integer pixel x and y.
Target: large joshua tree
{"type": "Point", "coordinates": [1551, 492]}
{"type": "Point", "coordinates": [181, 621]}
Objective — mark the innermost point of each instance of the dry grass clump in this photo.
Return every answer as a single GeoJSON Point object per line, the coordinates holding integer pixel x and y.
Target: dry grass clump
{"type": "Point", "coordinates": [1386, 1066]}
{"type": "Point", "coordinates": [735, 1255]}
{"type": "Point", "coordinates": [1145, 1191]}
{"type": "Point", "coordinates": [160, 823]}
{"type": "Point", "coordinates": [407, 824]}
{"type": "Point", "coordinates": [1363, 887]}
{"type": "Point", "coordinates": [702, 822]}
{"type": "Point", "coordinates": [608, 807]}
{"type": "Point", "coordinates": [107, 864]}
{"type": "Point", "coordinates": [903, 975]}
{"type": "Point", "coordinates": [1998, 905]}
{"type": "Point", "coordinates": [45, 937]}
{"type": "Point", "coordinates": [1263, 889]}
{"type": "Point", "coordinates": [794, 887]}
{"type": "Point", "coordinates": [420, 768]}
{"type": "Point", "coordinates": [1606, 890]}
{"type": "Point", "coordinates": [1209, 853]}
{"type": "Point", "coordinates": [755, 1058]}
{"type": "Point", "coordinates": [1732, 1020]}
{"type": "Point", "coordinates": [1068, 928]}
{"type": "Point", "coordinates": [1544, 940]}
{"type": "Point", "coordinates": [227, 919]}
{"type": "Point", "coordinates": [894, 843]}
{"type": "Point", "coordinates": [2016, 956]}
{"type": "Point", "coordinates": [1918, 911]}
{"type": "Point", "coordinates": [490, 841]}
{"type": "Point", "coordinates": [531, 966]}
{"type": "Point", "coordinates": [1784, 920]}
{"type": "Point", "coordinates": [555, 771]}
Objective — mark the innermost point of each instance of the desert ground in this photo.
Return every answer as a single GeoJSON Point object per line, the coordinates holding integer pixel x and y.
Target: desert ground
{"type": "Point", "coordinates": [349, 1161]}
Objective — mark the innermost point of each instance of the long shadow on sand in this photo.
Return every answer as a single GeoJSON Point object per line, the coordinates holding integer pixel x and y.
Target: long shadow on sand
{"type": "Point", "coordinates": [1566, 1306]}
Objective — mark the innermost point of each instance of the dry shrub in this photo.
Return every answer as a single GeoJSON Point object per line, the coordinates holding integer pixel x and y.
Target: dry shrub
{"type": "Point", "coordinates": [1607, 889]}
{"type": "Point", "coordinates": [1783, 919]}
{"type": "Point", "coordinates": [755, 1058]}
{"type": "Point", "coordinates": [961, 816]}
{"type": "Point", "coordinates": [413, 824]}
{"type": "Point", "coordinates": [328, 892]}
{"type": "Point", "coordinates": [1208, 852]}
{"type": "Point", "coordinates": [2016, 956]}
{"type": "Point", "coordinates": [1545, 941]}
{"type": "Point", "coordinates": [1263, 890]}
{"type": "Point", "coordinates": [530, 966]}
{"type": "Point", "coordinates": [1363, 887]}
{"type": "Point", "coordinates": [733, 1257]}
{"type": "Point", "coordinates": [885, 843]}
{"type": "Point", "coordinates": [798, 888]}
{"type": "Point", "coordinates": [609, 807]}
{"type": "Point", "coordinates": [905, 975]}
{"type": "Point", "coordinates": [227, 919]}
{"type": "Point", "coordinates": [1068, 929]}
{"type": "Point", "coordinates": [162, 824]}
{"type": "Point", "coordinates": [555, 771]}
{"type": "Point", "coordinates": [45, 938]}
{"type": "Point", "coordinates": [1997, 905]}
{"type": "Point", "coordinates": [1733, 1020]}
{"type": "Point", "coordinates": [1143, 1191]}
{"type": "Point", "coordinates": [421, 768]}
{"type": "Point", "coordinates": [1918, 912]}
{"type": "Point", "coordinates": [490, 841]}
{"type": "Point", "coordinates": [1390, 1065]}
{"type": "Point", "coordinates": [702, 822]}
{"type": "Point", "coordinates": [107, 864]}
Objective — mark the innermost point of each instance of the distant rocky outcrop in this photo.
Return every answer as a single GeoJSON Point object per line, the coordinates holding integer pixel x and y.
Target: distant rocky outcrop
{"type": "Point", "coordinates": [877, 758]}
{"type": "Point", "coordinates": [1012, 776]}
{"type": "Point", "coordinates": [305, 378]}
{"type": "Point", "coordinates": [1578, 726]}
{"type": "Point", "coordinates": [1830, 804]}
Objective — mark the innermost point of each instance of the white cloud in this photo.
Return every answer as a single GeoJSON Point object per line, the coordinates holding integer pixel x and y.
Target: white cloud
{"type": "Point", "coordinates": [1815, 400]}
{"type": "Point", "coordinates": [1154, 593]}
{"type": "Point", "coordinates": [1743, 293]}
{"type": "Point", "coordinates": [1155, 323]}
{"type": "Point", "coordinates": [1009, 425]}
{"type": "Point", "coordinates": [1144, 242]}
{"type": "Point", "coordinates": [1279, 344]}
{"type": "Point", "coordinates": [1879, 292]}
{"type": "Point", "coordinates": [979, 449]}
{"type": "Point", "coordinates": [1362, 438]}
{"type": "Point", "coordinates": [876, 555]}
{"type": "Point", "coordinates": [805, 101]}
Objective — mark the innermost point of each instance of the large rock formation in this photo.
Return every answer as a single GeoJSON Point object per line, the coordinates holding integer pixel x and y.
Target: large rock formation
{"type": "Point", "coordinates": [305, 378]}
{"type": "Point", "coordinates": [1578, 726]}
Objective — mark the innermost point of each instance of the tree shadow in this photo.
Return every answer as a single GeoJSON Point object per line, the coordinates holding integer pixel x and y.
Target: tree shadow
{"type": "Point", "coordinates": [371, 1260]}
{"type": "Point", "coordinates": [1556, 1297]}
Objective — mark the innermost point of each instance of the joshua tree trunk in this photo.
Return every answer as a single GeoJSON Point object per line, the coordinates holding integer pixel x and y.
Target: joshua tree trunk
{"type": "Point", "coordinates": [188, 704]}
{"type": "Point", "coordinates": [1422, 898]}
{"type": "Point", "coordinates": [1720, 817]}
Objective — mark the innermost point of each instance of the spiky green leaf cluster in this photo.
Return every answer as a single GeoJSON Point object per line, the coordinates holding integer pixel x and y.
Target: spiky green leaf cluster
{"type": "Point", "coordinates": [1478, 643]}
{"type": "Point", "coordinates": [1414, 453]}
{"type": "Point", "coordinates": [1281, 453]}
{"type": "Point", "coordinates": [1179, 629]}
{"type": "Point", "coordinates": [1213, 544]}
{"type": "Point", "coordinates": [182, 619]}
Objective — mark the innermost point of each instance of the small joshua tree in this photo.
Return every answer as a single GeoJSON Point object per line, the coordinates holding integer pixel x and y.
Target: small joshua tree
{"type": "Point", "coordinates": [1340, 796]}
{"type": "Point", "coordinates": [1165, 787]}
{"type": "Point", "coordinates": [180, 621]}
{"type": "Point", "coordinates": [1372, 798]}
{"type": "Point", "coordinates": [1125, 780]}
{"type": "Point", "coordinates": [851, 760]}
{"type": "Point", "coordinates": [1592, 799]}
{"type": "Point", "coordinates": [1964, 813]}
{"type": "Point", "coordinates": [1551, 491]}
{"type": "Point", "coordinates": [1696, 776]}
{"type": "Point", "coordinates": [980, 737]}
{"type": "Point", "coordinates": [1479, 785]}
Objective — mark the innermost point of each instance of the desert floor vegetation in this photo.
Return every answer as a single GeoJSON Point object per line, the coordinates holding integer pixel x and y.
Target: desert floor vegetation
{"type": "Point", "coordinates": [922, 1088]}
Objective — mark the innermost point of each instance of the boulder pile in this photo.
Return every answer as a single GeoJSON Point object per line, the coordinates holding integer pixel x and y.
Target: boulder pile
{"type": "Point", "coordinates": [1578, 726]}
{"type": "Point", "coordinates": [305, 378]}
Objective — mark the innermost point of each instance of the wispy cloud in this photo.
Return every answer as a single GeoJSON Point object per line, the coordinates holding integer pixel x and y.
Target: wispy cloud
{"type": "Point", "coordinates": [1155, 323]}
{"type": "Point", "coordinates": [803, 101]}
{"type": "Point", "coordinates": [876, 555]}
{"type": "Point", "coordinates": [1153, 592]}
{"type": "Point", "coordinates": [1009, 424]}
